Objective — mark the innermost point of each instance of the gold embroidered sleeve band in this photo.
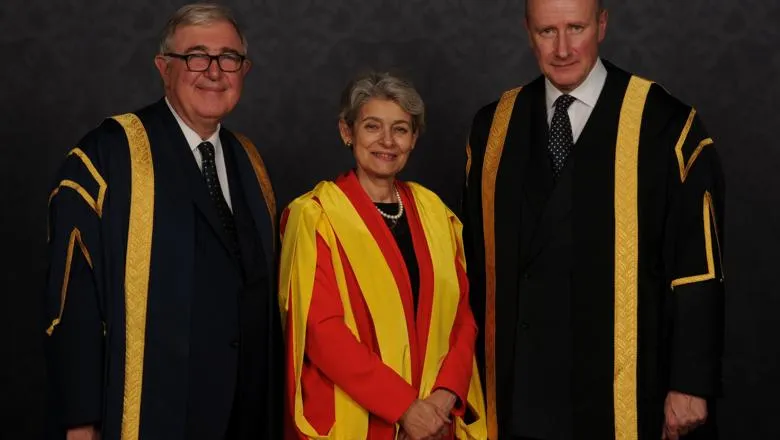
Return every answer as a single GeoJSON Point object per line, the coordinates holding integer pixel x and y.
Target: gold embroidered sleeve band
{"type": "Point", "coordinates": [96, 202]}
{"type": "Point", "coordinates": [75, 237]}
{"type": "Point", "coordinates": [690, 149]}
{"type": "Point", "coordinates": [710, 230]}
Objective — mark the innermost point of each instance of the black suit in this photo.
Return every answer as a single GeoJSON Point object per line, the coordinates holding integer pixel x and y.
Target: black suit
{"type": "Point", "coordinates": [210, 343]}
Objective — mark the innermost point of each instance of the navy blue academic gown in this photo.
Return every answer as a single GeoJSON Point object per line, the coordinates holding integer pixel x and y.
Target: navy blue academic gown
{"type": "Point", "coordinates": [201, 313]}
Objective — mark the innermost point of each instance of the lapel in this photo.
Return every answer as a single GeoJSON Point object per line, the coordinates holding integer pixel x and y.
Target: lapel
{"type": "Point", "coordinates": [252, 194]}
{"type": "Point", "coordinates": [557, 208]}
{"type": "Point", "coordinates": [185, 174]}
{"type": "Point", "coordinates": [599, 133]}
{"type": "Point", "coordinates": [539, 180]}
{"type": "Point", "coordinates": [517, 161]}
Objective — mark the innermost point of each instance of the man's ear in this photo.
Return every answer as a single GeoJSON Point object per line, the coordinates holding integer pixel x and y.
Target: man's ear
{"type": "Point", "coordinates": [161, 63]}
{"type": "Point", "coordinates": [603, 17]}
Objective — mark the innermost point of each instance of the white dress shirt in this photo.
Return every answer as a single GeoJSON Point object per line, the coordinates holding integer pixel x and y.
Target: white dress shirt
{"type": "Point", "coordinates": [194, 139]}
{"type": "Point", "coordinates": [586, 96]}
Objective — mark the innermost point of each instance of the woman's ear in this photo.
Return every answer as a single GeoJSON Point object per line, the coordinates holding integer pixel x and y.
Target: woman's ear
{"type": "Point", "coordinates": [346, 132]}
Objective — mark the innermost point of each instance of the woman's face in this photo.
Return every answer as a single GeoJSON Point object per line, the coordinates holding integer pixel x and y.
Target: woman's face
{"type": "Point", "coordinates": [382, 138]}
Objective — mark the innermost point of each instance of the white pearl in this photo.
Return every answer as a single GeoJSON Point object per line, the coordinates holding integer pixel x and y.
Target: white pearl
{"type": "Point", "coordinates": [394, 217]}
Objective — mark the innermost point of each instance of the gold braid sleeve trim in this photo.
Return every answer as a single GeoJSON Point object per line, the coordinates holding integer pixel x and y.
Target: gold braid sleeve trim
{"type": "Point", "coordinates": [262, 176]}
{"type": "Point", "coordinates": [685, 167]}
{"type": "Point", "coordinates": [139, 251]}
{"type": "Point", "coordinates": [694, 156]}
{"type": "Point", "coordinates": [75, 237]}
{"type": "Point", "coordinates": [626, 300]}
{"type": "Point", "coordinates": [493, 150]}
{"type": "Point", "coordinates": [709, 219]}
{"type": "Point", "coordinates": [96, 203]}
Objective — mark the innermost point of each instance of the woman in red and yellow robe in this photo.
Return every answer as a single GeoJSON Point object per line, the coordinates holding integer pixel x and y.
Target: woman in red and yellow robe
{"type": "Point", "coordinates": [372, 354]}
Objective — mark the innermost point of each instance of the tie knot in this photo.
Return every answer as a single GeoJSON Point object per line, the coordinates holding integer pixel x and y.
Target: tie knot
{"type": "Point", "coordinates": [207, 150]}
{"type": "Point", "coordinates": [563, 102]}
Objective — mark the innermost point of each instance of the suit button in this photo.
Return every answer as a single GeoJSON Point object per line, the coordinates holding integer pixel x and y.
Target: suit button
{"type": "Point", "coordinates": [524, 325]}
{"type": "Point", "coordinates": [234, 344]}
{"type": "Point", "coordinates": [526, 276]}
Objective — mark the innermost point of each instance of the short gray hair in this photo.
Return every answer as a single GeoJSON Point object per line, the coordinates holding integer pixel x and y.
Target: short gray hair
{"type": "Point", "coordinates": [382, 86]}
{"type": "Point", "coordinates": [203, 13]}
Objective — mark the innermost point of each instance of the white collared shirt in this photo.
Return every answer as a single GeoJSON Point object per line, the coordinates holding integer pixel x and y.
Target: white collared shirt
{"type": "Point", "coordinates": [194, 139]}
{"type": "Point", "coordinates": [586, 94]}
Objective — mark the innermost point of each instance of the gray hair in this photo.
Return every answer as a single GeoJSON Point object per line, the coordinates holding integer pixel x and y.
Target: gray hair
{"type": "Point", "coordinates": [194, 14]}
{"type": "Point", "coordinates": [382, 86]}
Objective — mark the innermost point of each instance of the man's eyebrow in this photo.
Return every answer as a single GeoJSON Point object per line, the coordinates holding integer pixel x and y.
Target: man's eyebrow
{"type": "Point", "coordinates": [203, 48]}
{"type": "Point", "coordinates": [199, 47]}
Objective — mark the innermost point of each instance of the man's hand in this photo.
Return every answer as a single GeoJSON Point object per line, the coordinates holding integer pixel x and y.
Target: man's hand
{"type": "Point", "coordinates": [682, 414]}
{"type": "Point", "coordinates": [83, 433]}
{"type": "Point", "coordinates": [423, 421]}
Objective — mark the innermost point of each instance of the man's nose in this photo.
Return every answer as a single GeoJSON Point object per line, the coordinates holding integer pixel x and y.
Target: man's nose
{"type": "Point", "coordinates": [562, 46]}
{"type": "Point", "coordinates": [214, 71]}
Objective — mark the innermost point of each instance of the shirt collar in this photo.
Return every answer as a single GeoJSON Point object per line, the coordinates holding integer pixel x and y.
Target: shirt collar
{"type": "Point", "coordinates": [588, 92]}
{"type": "Point", "coordinates": [193, 139]}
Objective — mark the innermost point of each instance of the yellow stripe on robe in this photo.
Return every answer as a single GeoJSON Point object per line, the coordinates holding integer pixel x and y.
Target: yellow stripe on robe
{"type": "Point", "coordinates": [337, 221]}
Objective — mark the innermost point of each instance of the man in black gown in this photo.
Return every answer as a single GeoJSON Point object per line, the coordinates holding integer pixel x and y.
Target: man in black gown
{"type": "Point", "coordinates": [592, 207]}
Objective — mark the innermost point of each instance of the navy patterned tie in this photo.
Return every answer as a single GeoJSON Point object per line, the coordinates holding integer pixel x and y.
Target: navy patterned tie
{"type": "Point", "coordinates": [560, 141]}
{"type": "Point", "coordinates": [215, 191]}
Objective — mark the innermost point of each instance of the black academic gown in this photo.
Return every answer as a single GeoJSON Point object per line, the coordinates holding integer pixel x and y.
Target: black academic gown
{"type": "Point", "coordinates": [556, 277]}
{"type": "Point", "coordinates": [210, 352]}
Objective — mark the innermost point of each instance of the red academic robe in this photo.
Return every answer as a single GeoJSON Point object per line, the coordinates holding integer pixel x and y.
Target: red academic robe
{"type": "Point", "coordinates": [334, 356]}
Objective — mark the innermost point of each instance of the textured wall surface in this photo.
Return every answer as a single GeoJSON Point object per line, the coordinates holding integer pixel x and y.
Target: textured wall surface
{"type": "Point", "coordinates": [68, 64]}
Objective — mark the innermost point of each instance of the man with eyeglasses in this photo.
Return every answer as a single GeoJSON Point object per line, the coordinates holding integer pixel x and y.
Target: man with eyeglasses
{"type": "Point", "coordinates": [160, 300]}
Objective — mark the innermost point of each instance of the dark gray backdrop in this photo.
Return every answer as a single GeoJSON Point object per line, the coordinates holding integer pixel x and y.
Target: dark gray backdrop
{"type": "Point", "coordinates": [67, 64]}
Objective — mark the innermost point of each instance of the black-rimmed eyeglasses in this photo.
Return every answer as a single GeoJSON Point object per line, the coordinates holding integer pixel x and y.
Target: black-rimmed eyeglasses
{"type": "Point", "coordinates": [200, 62]}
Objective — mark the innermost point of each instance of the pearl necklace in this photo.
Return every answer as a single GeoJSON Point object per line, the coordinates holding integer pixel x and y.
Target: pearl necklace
{"type": "Point", "coordinates": [394, 218]}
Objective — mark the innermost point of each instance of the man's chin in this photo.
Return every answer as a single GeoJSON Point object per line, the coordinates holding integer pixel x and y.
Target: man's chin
{"type": "Point", "coordinates": [215, 113]}
{"type": "Point", "coordinates": [565, 83]}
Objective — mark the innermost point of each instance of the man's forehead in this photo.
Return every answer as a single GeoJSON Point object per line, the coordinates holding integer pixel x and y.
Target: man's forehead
{"type": "Point", "coordinates": [568, 6]}
{"type": "Point", "coordinates": [212, 35]}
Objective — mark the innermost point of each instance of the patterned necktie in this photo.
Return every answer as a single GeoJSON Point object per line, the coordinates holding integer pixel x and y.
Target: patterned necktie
{"type": "Point", "coordinates": [561, 141]}
{"type": "Point", "coordinates": [215, 191]}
